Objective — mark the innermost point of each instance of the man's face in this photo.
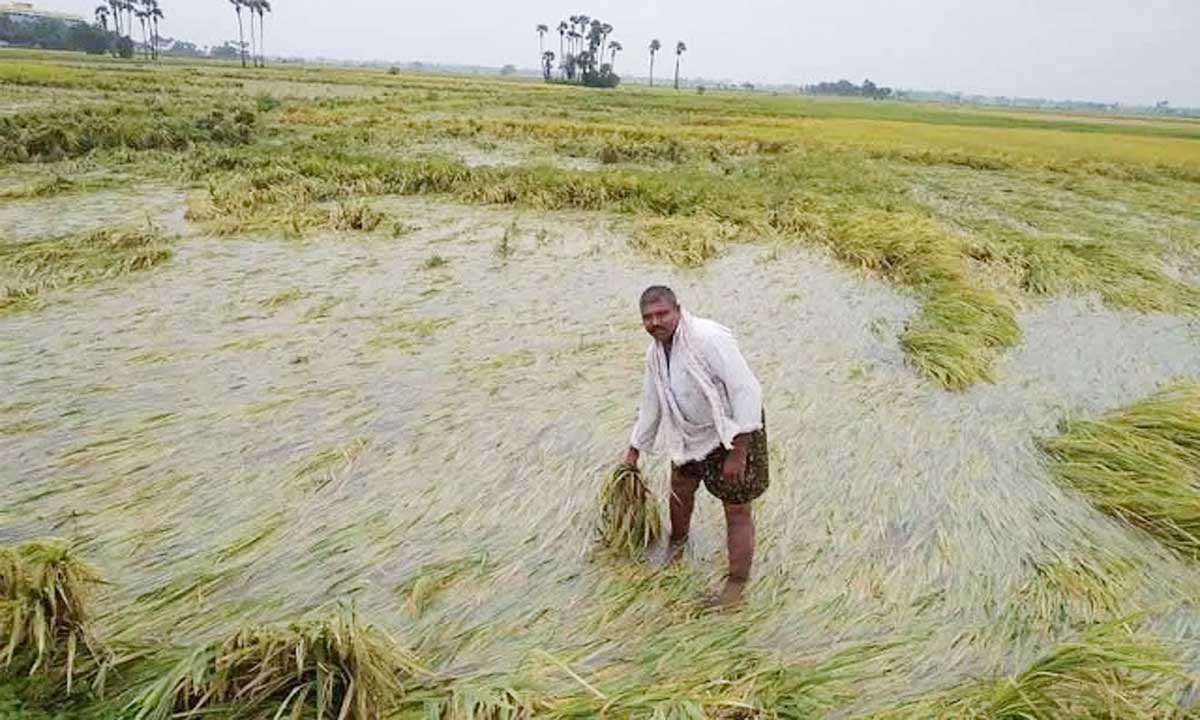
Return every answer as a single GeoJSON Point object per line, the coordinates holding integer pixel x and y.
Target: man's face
{"type": "Point", "coordinates": [659, 317]}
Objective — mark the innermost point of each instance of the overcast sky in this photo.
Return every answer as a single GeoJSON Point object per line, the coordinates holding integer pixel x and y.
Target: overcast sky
{"type": "Point", "coordinates": [1136, 51]}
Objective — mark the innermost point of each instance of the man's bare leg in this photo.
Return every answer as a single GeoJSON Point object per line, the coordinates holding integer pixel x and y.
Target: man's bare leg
{"type": "Point", "coordinates": [739, 538]}
{"type": "Point", "coordinates": [682, 502]}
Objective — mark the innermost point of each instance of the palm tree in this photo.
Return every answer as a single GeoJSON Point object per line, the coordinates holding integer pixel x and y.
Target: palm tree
{"type": "Point", "coordinates": [655, 46]}
{"type": "Point", "coordinates": [251, 9]}
{"type": "Point", "coordinates": [128, 4]}
{"type": "Point", "coordinates": [562, 38]}
{"type": "Point", "coordinates": [541, 31]}
{"type": "Point", "coordinates": [605, 31]}
{"type": "Point", "coordinates": [156, 14]}
{"type": "Point", "coordinates": [102, 17]}
{"type": "Point", "coordinates": [115, 8]}
{"type": "Point", "coordinates": [262, 6]}
{"type": "Point", "coordinates": [547, 64]}
{"type": "Point", "coordinates": [584, 21]}
{"type": "Point", "coordinates": [142, 16]}
{"type": "Point", "coordinates": [237, 5]}
{"type": "Point", "coordinates": [680, 49]}
{"type": "Point", "coordinates": [616, 48]}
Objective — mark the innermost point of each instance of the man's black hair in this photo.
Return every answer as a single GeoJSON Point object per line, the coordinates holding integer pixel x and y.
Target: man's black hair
{"type": "Point", "coordinates": [658, 292]}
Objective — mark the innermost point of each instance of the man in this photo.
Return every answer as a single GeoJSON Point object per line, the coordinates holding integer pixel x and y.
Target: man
{"type": "Point", "coordinates": [701, 394]}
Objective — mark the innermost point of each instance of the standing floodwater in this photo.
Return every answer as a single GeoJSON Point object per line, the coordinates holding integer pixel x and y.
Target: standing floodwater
{"type": "Point", "coordinates": [260, 426]}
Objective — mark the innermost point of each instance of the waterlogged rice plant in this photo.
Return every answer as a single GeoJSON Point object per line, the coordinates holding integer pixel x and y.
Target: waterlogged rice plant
{"type": "Point", "coordinates": [959, 333]}
{"type": "Point", "coordinates": [961, 329]}
{"type": "Point", "coordinates": [472, 699]}
{"type": "Point", "coordinates": [1127, 277]}
{"type": "Point", "coordinates": [629, 518]}
{"type": "Point", "coordinates": [423, 588]}
{"type": "Point", "coordinates": [355, 216]}
{"type": "Point", "coordinates": [1140, 464]}
{"type": "Point", "coordinates": [70, 133]}
{"type": "Point", "coordinates": [700, 668]}
{"type": "Point", "coordinates": [683, 241]}
{"type": "Point", "coordinates": [833, 195]}
{"type": "Point", "coordinates": [334, 666]}
{"type": "Point", "coordinates": [433, 262]}
{"type": "Point", "coordinates": [45, 622]}
{"type": "Point", "coordinates": [1075, 205]}
{"type": "Point", "coordinates": [30, 269]}
{"type": "Point", "coordinates": [1106, 672]}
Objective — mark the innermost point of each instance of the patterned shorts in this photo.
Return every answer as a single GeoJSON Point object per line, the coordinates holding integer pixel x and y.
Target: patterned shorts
{"type": "Point", "coordinates": [753, 483]}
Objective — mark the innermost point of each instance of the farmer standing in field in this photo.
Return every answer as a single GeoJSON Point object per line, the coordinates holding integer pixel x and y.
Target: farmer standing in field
{"type": "Point", "coordinates": [700, 392]}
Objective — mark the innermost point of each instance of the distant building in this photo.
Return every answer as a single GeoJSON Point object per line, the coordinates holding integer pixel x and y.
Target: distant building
{"type": "Point", "coordinates": [26, 12]}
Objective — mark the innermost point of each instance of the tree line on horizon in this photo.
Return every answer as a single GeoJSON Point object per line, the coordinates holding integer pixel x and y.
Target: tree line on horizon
{"type": "Point", "coordinates": [55, 34]}
{"type": "Point", "coordinates": [117, 23]}
{"type": "Point", "coordinates": [582, 42]}
{"type": "Point", "coordinates": [845, 88]}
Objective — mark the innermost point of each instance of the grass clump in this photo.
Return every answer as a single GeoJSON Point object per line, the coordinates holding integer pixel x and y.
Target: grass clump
{"type": "Point", "coordinates": [45, 623]}
{"type": "Point", "coordinates": [30, 269]}
{"type": "Point", "coordinates": [266, 102]}
{"type": "Point", "coordinates": [629, 519]}
{"type": "Point", "coordinates": [683, 241]}
{"type": "Point", "coordinates": [1140, 464]}
{"type": "Point", "coordinates": [433, 262]}
{"type": "Point", "coordinates": [505, 247]}
{"type": "Point", "coordinates": [355, 216]}
{"type": "Point", "coordinates": [328, 667]}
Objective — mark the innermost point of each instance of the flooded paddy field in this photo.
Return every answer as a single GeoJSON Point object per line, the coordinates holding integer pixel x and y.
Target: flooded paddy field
{"type": "Point", "coordinates": [413, 410]}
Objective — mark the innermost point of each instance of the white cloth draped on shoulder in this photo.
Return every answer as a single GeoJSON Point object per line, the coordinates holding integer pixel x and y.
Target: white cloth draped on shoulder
{"type": "Point", "coordinates": [701, 397]}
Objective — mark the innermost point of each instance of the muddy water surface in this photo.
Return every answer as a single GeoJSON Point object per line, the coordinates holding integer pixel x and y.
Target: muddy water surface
{"type": "Point", "coordinates": [73, 213]}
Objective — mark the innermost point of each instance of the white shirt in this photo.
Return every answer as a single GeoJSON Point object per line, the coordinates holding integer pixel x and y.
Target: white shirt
{"type": "Point", "coordinates": [740, 392]}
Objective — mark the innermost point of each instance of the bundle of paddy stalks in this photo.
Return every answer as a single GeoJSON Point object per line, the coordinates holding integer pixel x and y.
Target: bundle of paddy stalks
{"type": "Point", "coordinates": [44, 621]}
{"type": "Point", "coordinates": [1140, 464]}
{"type": "Point", "coordinates": [629, 519]}
{"type": "Point", "coordinates": [332, 666]}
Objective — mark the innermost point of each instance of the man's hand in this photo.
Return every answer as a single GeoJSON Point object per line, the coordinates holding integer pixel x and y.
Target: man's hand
{"type": "Point", "coordinates": [631, 457]}
{"type": "Point", "coordinates": [734, 467]}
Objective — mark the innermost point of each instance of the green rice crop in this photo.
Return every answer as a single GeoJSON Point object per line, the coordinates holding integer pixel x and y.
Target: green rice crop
{"type": "Point", "coordinates": [45, 620]}
{"type": "Point", "coordinates": [1140, 464]}
{"type": "Point", "coordinates": [629, 519]}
